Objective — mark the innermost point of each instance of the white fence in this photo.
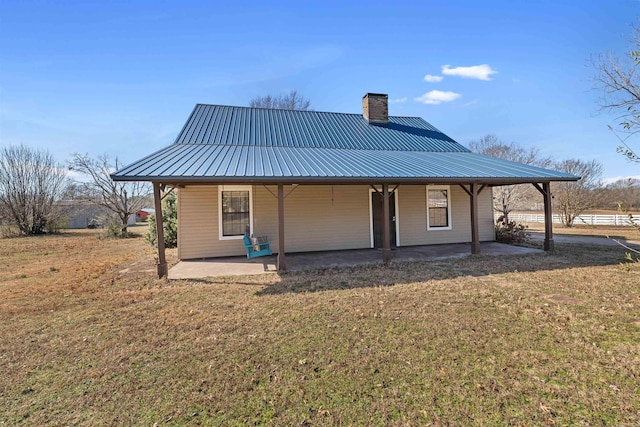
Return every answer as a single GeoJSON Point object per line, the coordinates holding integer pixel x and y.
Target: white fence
{"type": "Point", "coordinates": [589, 219]}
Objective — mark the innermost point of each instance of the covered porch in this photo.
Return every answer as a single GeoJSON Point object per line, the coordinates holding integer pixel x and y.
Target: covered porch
{"type": "Point", "coordinates": [240, 266]}
{"type": "Point", "coordinates": [384, 253]}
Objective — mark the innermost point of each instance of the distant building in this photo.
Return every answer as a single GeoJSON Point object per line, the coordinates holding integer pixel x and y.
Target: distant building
{"type": "Point", "coordinates": [81, 213]}
{"type": "Point", "coordinates": [143, 214]}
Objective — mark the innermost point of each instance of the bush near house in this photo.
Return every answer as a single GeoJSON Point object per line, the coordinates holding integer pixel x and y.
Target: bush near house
{"type": "Point", "coordinates": [170, 223]}
{"type": "Point", "coordinates": [511, 232]}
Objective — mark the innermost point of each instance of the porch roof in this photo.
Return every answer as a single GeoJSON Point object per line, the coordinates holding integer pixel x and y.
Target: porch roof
{"type": "Point", "coordinates": [220, 163]}
{"type": "Point", "coordinates": [239, 144]}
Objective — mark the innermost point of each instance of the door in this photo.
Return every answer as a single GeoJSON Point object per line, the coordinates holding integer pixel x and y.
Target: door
{"type": "Point", "coordinates": [377, 214]}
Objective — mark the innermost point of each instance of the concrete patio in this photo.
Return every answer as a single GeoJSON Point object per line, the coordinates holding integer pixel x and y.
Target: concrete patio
{"type": "Point", "coordinates": [240, 266]}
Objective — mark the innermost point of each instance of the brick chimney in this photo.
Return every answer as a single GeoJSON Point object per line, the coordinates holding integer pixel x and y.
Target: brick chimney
{"type": "Point", "coordinates": [375, 107]}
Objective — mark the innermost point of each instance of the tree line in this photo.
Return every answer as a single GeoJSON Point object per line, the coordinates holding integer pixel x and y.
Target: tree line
{"type": "Point", "coordinates": [570, 199]}
{"type": "Point", "coordinates": [32, 185]}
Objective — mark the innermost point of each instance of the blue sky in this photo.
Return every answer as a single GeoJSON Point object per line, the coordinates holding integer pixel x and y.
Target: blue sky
{"type": "Point", "coordinates": [121, 77]}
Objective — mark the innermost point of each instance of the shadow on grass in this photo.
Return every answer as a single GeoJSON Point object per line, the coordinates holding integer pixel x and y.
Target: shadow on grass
{"type": "Point", "coordinates": [565, 256]}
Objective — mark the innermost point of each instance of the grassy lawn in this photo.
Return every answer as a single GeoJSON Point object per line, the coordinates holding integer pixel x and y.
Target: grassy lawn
{"type": "Point", "coordinates": [88, 336]}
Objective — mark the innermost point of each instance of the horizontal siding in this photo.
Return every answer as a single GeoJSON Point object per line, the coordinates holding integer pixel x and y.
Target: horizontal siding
{"type": "Point", "coordinates": [198, 235]}
{"type": "Point", "coordinates": [412, 201]}
{"type": "Point", "coordinates": [319, 218]}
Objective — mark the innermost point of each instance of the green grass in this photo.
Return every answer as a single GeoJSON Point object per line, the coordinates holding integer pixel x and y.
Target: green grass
{"type": "Point", "coordinates": [543, 339]}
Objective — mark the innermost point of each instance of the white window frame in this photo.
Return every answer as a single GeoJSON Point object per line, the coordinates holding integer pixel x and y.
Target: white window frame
{"type": "Point", "coordinates": [222, 188]}
{"type": "Point", "coordinates": [439, 187]}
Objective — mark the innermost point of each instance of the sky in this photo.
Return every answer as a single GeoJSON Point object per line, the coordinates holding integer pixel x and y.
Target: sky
{"type": "Point", "coordinates": [121, 77]}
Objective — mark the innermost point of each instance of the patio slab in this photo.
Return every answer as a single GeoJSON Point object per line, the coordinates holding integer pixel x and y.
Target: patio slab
{"type": "Point", "coordinates": [216, 267]}
{"type": "Point", "coordinates": [240, 266]}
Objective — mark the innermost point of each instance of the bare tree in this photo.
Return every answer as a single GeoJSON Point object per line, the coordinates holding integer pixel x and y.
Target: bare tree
{"type": "Point", "coordinates": [623, 194]}
{"type": "Point", "coordinates": [506, 198]}
{"type": "Point", "coordinates": [618, 81]}
{"type": "Point", "coordinates": [575, 197]}
{"type": "Point", "coordinates": [123, 199]}
{"type": "Point", "coordinates": [291, 101]}
{"type": "Point", "coordinates": [30, 184]}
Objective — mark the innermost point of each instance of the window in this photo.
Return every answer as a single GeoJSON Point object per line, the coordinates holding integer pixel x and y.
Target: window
{"type": "Point", "coordinates": [438, 208]}
{"type": "Point", "coordinates": [235, 211]}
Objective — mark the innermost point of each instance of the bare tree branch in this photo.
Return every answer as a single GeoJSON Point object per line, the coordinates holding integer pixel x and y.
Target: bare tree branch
{"type": "Point", "coordinates": [574, 197]}
{"type": "Point", "coordinates": [507, 198]}
{"type": "Point", "coordinates": [123, 199]}
{"type": "Point", "coordinates": [618, 81]}
{"type": "Point", "coordinates": [30, 184]}
{"type": "Point", "coordinates": [291, 101]}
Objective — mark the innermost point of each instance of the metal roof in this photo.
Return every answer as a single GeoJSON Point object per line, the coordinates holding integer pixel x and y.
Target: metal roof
{"type": "Point", "coordinates": [219, 124]}
{"type": "Point", "coordinates": [221, 143]}
{"type": "Point", "coordinates": [199, 162]}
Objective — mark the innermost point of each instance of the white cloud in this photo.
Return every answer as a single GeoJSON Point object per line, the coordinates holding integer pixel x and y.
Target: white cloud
{"type": "Point", "coordinates": [435, 97]}
{"type": "Point", "coordinates": [480, 72]}
{"type": "Point", "coordinates": [398, 100]}
{"type": "Point", "coordinates": [432, 79]}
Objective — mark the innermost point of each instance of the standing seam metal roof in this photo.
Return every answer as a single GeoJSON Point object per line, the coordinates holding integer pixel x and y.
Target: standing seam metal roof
{"type": "Point", "coordinates": [223, 125]}
{"type": "Point", "coordinates": [222, 142]}
{"type": "Point", "coordinates": [200, 161]}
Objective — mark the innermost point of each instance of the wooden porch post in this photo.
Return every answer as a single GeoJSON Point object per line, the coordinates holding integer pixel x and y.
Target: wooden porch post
{"type": "Point", "coordinates": [548, 217]}
{"type": "Point", "coordinates": [162, 261]}
{"type": "Point", "coordinates": [545, 190]}
{"type": "Point", "coordinates": [385, 221]}
{"type": "Point", "coordinates": [475, 237]}
{"type": "Point", "coordinates": [282, 262]}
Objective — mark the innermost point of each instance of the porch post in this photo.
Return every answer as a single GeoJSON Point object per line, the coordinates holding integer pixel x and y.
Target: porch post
{"type": "Point", "coordinates": [548, 216]}
{"type": "Point", "coordinates": [385, 221]}
{"type": "Point", "coordinates": [545, 190]}
{"type": "Point", "coordinates": [475, 237]}
{"type": "Point", "coordinates": [282, 262]}
{"type": "Point", "coordinates": [162, 261]}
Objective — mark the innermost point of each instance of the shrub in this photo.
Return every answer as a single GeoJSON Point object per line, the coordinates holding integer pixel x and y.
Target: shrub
{"type": "Point", "coordinates": [511, 232]}
{"type": "Point", "coordinates": [169, 221]}
{"type": "Point", "coordinates": [112, 227]}
{"type": "Point", "coordinates": [56, 223]}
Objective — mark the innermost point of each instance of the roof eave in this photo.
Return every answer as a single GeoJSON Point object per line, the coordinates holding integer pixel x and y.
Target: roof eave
{"type": "Point", "coordinates": [493, 181]}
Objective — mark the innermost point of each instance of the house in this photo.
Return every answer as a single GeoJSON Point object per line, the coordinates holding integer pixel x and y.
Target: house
{"type": "Point", "coordinates": [317, 181]}
{"type": "Point", "coordinates": [143, 214]}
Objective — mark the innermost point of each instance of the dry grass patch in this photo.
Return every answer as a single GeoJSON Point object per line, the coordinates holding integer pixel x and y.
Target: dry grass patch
{"type": "Point", "coordinates": [477, 341]}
